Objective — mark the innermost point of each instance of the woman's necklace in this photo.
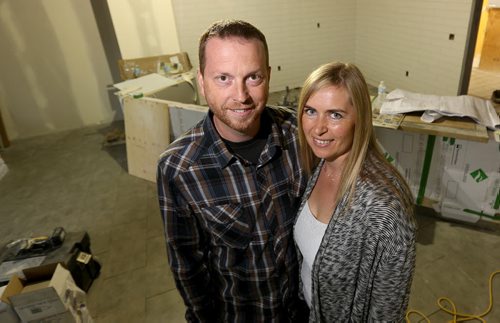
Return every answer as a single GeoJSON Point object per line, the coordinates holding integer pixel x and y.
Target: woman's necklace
{"type": "Point", "coordinates": [331, 175]}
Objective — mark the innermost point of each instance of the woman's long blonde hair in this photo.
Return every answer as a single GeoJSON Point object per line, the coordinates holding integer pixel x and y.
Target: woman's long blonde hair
{"type": "Point", "coordinates": [349, 77]}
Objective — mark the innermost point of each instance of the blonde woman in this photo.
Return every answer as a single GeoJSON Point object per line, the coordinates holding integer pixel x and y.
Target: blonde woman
{"type": "Point", "coordinates": [355, 229]}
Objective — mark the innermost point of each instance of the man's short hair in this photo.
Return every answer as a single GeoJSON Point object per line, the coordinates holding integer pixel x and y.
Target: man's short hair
{"type": "Point", "coordinates": [230, 28]}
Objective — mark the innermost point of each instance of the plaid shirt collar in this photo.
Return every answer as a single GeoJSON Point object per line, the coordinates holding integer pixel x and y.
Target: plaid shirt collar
{"type": "Point", "coordinates": [214, 144]}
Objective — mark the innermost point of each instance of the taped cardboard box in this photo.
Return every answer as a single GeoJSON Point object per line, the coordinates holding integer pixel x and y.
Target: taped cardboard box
{"type": "Point", "coordinates": [47, 294]}
{"type": "Point", "coordinates": [169, 64]}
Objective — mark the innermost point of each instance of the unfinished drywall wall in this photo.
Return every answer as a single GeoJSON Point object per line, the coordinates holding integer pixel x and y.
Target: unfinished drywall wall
{"type": "Point", "coordinates": [54, 71]}
{"type": "Point", "coordinates": [301, 34]}
{"type": "Point", "coordinates": [416, 45]}
{"type": "Point", "coordinates": [144, 28]}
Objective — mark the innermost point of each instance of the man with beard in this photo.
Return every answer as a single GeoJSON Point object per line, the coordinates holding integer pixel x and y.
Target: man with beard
{"type": "Point", "coordinates": [229, 189]}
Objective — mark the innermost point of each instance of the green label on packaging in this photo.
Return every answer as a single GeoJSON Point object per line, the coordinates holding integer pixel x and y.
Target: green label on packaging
{"type": "Point", "coordinates": [479, 175]}
{"type": "Point", "coordinates": [389, 158]}
{"type": "Point", "coordinates": [451, 142]}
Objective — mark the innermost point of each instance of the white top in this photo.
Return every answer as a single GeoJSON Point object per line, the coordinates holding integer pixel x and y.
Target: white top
{"type": "Point", "coordinates": [308, 233]}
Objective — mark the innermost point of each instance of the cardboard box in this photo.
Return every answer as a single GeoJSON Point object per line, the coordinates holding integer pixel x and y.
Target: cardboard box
{"type": "Point", "coordinates": [46, 293]}
{"type": "Point", "coordinates": [64, 317]}
{"type": "Point", "coordinates": [7, 313]}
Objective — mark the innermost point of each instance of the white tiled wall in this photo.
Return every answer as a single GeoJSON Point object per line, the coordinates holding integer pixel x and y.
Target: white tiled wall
{"type": "Point", "coordinates": [385, 38]}
{"type": "Point", "coordinates": [393, 37]}
{"type": "Point", "coordinates": [295, 42]}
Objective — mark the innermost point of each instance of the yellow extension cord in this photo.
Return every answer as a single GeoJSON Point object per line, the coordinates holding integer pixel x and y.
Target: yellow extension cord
{"type": "Point", "coordinates": [457, 317]}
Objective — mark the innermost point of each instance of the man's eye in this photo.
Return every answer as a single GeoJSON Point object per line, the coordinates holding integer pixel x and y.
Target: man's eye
{"type": "Point", "coordinates": [223, 79]}
{"type": "Point", "coordinates": [255, 78]}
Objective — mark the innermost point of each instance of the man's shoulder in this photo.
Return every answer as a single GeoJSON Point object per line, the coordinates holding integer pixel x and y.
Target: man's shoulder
{"type": "Point", "coordinates": [286, 120]}
{"type": "Point", "coordinates": [282, 114]}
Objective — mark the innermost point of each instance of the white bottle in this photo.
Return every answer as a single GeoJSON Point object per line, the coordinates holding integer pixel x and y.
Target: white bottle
{"type": "Point", "coordinates": [379, 100]}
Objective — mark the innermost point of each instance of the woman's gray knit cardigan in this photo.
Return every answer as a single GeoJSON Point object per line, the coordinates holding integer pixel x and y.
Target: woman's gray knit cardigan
{"type": "Point", "coordinates": [364, 267]}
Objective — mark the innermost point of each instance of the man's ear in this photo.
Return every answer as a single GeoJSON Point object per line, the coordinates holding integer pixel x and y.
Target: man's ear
{"type": "Point", "coordinates": [201, 88]}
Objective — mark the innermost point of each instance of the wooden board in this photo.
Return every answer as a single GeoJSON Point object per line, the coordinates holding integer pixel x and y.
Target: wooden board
{"type": "Point", "coordinates": [146, 135]}
{"type": "Point", "coordinates": [459, 128]}
{"type": "Point", "coordinates": [490, 54]}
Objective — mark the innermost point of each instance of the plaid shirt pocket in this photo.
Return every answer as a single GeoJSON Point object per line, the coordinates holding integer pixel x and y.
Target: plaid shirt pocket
{"type": "Point", "coordinates": [229, 225]}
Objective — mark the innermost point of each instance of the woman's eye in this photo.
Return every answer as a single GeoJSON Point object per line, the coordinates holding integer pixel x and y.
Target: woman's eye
{"type": "Point", "coordinates": [309, 111]}
{"type": "Point", "coordinates": [336, 116]}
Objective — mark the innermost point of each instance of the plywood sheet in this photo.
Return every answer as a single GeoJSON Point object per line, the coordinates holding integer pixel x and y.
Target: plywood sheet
{"type": "Point", "coordinates": [146, 135]}
{"type": "Point", "coordinates": [490, 55]}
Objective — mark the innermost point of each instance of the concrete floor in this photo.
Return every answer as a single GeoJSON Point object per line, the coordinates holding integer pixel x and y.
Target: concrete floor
{"type": "Point", "coordinates": [70, 179]}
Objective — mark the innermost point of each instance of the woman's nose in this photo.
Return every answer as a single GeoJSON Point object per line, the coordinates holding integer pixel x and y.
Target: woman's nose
{"type": "Point", "coordinates": [321, 126]}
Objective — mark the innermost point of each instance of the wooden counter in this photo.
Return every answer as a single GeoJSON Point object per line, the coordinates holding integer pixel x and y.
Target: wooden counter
{"type": "Point", "coordinates": [452, 127]}
{"type": "Point", "coordinates": [459, 128]}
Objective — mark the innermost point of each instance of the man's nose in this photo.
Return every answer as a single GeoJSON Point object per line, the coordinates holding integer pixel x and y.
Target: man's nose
{"type": "Point", "coordinates": [241, 92]}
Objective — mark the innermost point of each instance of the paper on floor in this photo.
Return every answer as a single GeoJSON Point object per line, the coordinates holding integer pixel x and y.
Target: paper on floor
{"type": "Point", "coordinates": [480, 110]}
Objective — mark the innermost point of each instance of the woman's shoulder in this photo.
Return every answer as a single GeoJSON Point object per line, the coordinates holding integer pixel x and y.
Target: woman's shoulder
{"type": "Point", "coordinates": [379, 177]}
{"type": "Point", "coordinates": [385, 212]}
